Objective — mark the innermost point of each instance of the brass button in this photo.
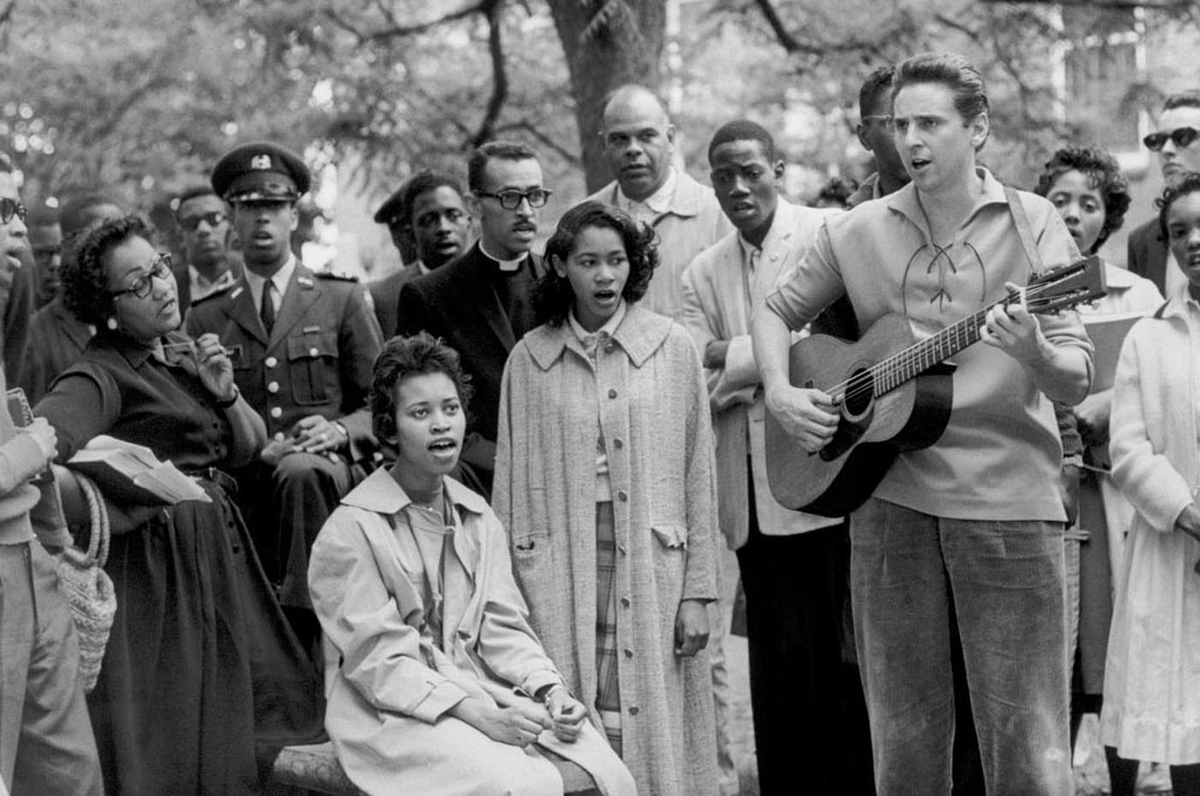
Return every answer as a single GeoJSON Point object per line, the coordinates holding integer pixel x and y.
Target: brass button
{"type": "Point", "coordinates": [276, 412]}
{"type": "Point", "coordinates": [273, 387]}
{"type": "Point", "coordinates": [271, 362]}
{"type": "Point", "coordinates": [312, 352]}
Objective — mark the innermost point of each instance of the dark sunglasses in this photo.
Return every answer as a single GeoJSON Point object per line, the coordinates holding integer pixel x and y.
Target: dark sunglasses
{"type": "Point", "coordinates": [1182, 136]}
{"type": "Point", "coordinates": [10, 208]}
{"type": "Point", "coordinates": [192, 223]}
{"type": "Point", "coordinates": [142, 286]}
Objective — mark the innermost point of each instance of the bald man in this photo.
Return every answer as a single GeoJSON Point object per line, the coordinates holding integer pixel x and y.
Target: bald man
{"type": "Point", "coordinates": [639, 144]}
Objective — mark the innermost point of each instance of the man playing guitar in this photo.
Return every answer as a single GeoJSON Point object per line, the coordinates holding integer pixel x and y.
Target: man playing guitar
{"type": "Point", "coordinates": [970, 526]}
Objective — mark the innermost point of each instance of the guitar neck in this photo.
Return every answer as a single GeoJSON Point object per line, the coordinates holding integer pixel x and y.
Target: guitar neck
{"type": "Point", "coordinates": [919, 357]}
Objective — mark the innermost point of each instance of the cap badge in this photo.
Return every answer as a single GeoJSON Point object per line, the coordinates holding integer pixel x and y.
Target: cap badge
{"type": "Point", "coordinates": [261, 162]}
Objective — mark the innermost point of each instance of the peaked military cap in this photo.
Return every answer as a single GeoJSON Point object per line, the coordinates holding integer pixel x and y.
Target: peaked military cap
{"type": "Point", "coordinates": [260, 171]}
{"type": "Point", "coordinates": [389, 210]}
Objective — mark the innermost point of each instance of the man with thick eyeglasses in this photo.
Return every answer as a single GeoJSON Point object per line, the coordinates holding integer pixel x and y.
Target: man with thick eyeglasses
{"type": "Point", "coordinates": [210, 265]}
{"type": "Point", "coordinates": [639, 145]}
{"type": "Point", "coordinates": [428, 218]}
{"type": "Point", "coordinates": [46, 740]}
{"type": "Point", "coordinates": [480, 304]}
{"type": "Point", "coordinates": [1175, 142]}
{"type": "Point", "coordinates": [303, 345]}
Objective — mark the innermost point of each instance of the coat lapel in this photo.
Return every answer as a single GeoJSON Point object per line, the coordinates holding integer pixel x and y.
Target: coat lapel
{"type": "Point", "coordinates": [242, 311]}
{"type": "Point", "coordinates": [302, 292]}
{"type": "Point", "coordinates": [486, 301]}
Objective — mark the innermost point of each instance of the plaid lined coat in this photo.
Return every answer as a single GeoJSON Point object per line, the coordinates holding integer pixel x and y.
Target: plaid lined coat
{"type": "Point", "coordinates": [648, 397]}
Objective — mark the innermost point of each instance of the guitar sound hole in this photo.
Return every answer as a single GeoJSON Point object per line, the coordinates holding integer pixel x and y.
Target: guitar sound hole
{"type": "Point", "coordinates": [859, 393]}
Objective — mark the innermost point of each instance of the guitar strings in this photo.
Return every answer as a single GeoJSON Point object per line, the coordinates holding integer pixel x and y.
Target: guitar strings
{"type": "Point", "coordinates": [864, 382]}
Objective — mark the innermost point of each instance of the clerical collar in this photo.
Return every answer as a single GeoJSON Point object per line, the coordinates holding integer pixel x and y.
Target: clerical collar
{"type": "Point", "coordinates": [508, 266]}
{"type": "Point", "coordinates": [657, 203]}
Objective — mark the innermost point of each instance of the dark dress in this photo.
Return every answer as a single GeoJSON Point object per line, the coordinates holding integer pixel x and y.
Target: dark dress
{"type": "Point", "coordinates": [202, 681]}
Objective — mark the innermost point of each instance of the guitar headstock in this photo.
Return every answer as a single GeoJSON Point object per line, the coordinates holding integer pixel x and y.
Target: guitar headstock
{"type": "Point", "coordinates": [1062, 288]}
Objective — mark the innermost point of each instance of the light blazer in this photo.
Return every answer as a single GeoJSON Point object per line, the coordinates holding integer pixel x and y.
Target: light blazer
{"type": "Point", "coordinates": [716, 307]}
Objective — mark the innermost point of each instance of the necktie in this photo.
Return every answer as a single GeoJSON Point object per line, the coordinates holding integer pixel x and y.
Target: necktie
{"type": "Point", "coordinates": [267, 310]}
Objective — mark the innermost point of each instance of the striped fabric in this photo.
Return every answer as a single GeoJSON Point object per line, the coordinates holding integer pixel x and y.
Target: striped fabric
{"type": "Point", "coordinates": [608, 695]}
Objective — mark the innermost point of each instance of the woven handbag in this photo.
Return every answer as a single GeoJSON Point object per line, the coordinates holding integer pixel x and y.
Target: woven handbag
{"type": "Point", "coordinates": [88, 589]}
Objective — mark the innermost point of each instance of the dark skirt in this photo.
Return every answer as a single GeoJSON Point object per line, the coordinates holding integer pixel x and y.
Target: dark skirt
{"type": "Point", "coordinates": [203, 682]}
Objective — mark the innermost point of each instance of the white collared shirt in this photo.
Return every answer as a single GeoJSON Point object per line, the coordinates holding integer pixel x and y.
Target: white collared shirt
{"type": "Point", "coordinates": [279, 279]}
{"type": "Point", "coordinates": [654, 205]}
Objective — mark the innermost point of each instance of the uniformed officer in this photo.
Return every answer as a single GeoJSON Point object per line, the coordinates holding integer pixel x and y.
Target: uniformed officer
{"type": "Point", "coordinates": [303, 345]}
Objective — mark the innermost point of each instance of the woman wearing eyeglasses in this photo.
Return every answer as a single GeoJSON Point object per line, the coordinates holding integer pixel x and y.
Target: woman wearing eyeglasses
{"type": "Point", "coordinates": [202, 681]}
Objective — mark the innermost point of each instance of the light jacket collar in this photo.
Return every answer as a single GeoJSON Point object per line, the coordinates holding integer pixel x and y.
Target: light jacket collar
{"type": "Point", "coordinates": [640, 334]}
{"type": "Point", "coordinates": [380, 493]}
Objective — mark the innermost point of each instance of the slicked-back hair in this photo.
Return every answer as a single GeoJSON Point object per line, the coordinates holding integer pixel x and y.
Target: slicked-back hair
{"type": "Point", "coordinates": [502, 150]}
{"type": "Point", "coordinates": [552, 295]}
{"type": "Point", "coordinates": [421, 182]}
{"type": "Point", "coordinates": [405, 357]}
{"type": "Point", "coordinates": [877, 84]}
{"type": "Point", "coordinates": [1102, 169]}
{"type": "Point", "coordinates": [84, 280]}
{"type": "Point", "coordinates": [742, 130]}
{"type": "Point", "coordinates": [951, 70]}
{"type": "Point", "coordinates": [1182, 99]}
{"type": "Point", "coordinates": [1188, 183]}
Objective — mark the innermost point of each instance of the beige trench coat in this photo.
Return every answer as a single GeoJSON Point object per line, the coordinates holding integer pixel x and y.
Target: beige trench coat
{"type": "Point", "coordinates": [387, 705]}
{"type": "Point", "coordinates": [649, 395]}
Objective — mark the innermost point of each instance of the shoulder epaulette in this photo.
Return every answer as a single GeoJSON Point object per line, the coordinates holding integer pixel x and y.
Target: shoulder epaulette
{"type": "Point", "coordinates": [340, 276]}
{"type": "Point", "coordinates": [221, 291]}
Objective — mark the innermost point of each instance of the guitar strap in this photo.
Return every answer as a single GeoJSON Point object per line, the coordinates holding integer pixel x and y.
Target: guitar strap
{"type": "Point", "coordinates": [1024, 230]}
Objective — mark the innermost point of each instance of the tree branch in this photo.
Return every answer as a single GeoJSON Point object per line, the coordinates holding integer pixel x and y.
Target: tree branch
{"type": "Point", "coordinates": [571, 157]}
{"type": "Point", "coordinates": [494, 10]}
{"type": "Point", "coordinates": [399, 31]}
{"type": "Point", "coordinates": [1120, 5]}
{"type": "Point", "coordinates": [794, 46]}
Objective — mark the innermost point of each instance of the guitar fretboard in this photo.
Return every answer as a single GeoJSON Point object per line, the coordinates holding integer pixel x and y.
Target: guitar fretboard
{"type": "Point", "coordinates": [916, 359]}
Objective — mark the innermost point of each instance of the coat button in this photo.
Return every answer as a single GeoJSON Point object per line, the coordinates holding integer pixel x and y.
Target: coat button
{"type": "Point", "coordinates": [279, 436]}
{"type": "Point", "coordinates": [312, 352]}
{"type": "Point", "coordinates": [622, 496]}
{"type": "Point", "coordinates": [270, 362]}
{"type": "Point", "coordinates": [633, 711]}
{"type": "Point", "coordinates": [612, 393]}
{"type": "Point", "coordinates": [625, 601]}
{"type": "Point", "coordinates": [621, 549]}
{"type": "Point", "coordinates": [628, 653]}
{"type": "Point", "coordinates": [618, 443]}
{"type": "Point", "coordinates": [276, 412]}
{"type": "Point", "coordinates": [273, 387]}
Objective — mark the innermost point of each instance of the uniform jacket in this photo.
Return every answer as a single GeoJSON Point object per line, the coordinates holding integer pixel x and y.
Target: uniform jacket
{"type": "Point", "coordinates": [653, 412]}
{"type": "Point", "coordinates": [316, 361]}
{"type": "Point", "coordinates": [394, 685]}
{"type": "Point", "coordinates": [716, 307]}
{"type": "Point", "coordinates": [386, 295]}
{"type": "Point", "coordinates": [1146, 255]}
{"type": "Point", "coordinates": [183, 281]}
{"type": "Point", "coordinates": [692, 224]}
{"type": "Point", "coordinates": [457, 303]}
{"type": "Point", "coordinates": [56, 341]}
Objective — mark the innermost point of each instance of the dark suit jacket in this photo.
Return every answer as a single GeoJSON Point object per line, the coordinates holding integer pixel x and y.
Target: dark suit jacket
{"type": "Point", "coordinates": [458, 303]}
{"type": "Point", "coordinates": [317, 360]}
{"type": "Point", "coordinates": [56, 340]}
{"type": "Point", "coordinates": [1146, 255]}
{"type": "Point", "coordinates": [386, 295]}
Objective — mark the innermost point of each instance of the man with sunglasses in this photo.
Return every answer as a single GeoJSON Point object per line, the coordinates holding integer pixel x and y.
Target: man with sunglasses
{"type": "Point", "coordinates": [639, 145]}
{"type": "Point", "coordinates": [204, 226]}
{"type": "Point", "coordinates": [480, 304]}
{"type": "Point", "coordinates": [303, 345]}
{"type": "Point", "coordinates": [1176, 140]}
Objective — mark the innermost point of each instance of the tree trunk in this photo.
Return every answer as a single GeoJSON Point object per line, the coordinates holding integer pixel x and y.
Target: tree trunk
{"type": "Point", "coordinates": [623, 46]}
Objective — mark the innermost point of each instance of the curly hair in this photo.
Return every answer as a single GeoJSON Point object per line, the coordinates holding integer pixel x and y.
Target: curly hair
{"type": "Point", "coordinates": [1188, 183]}
{"type": "Point", "coordinates": [552, 295]}
{"type": "Point", "coordinates": [84, 280]}
{"type": "Point", "coordinates": [402, 358]}
{"type": "Point", "coordinates": [1105, 175]}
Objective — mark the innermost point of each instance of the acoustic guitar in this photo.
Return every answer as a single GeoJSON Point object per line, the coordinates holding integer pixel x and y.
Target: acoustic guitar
{"type": "Point", "coordinates": [894, 393]}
